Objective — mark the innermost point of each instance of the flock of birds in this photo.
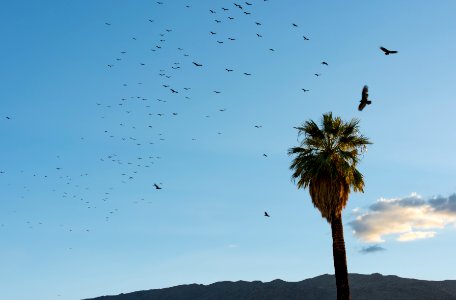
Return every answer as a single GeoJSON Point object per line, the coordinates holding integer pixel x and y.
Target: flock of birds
{"type": "Point", "coordinates": [132, 168]}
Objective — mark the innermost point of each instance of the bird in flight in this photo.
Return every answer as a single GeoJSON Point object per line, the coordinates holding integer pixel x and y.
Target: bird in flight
{"type": "Point", "coordinates": [387, 52]}
{"type": "Point", "coordinates": [304, 90]}
{"type": "Point", "coordinates": [229, 70]}
{"type": "Point", "coordinates": [364, 98]}
{"type": "Point", "coordinates": [8, 118]}
{"type": "Point", "coordinates": [324, 63]}
{"type": "Point", "coordinates": [266, 214]}
{"type": "Point", "coordinates": [305, 38]}
{"type": "Point", "coordinates": [258, 126]}
{"type": "Point", "coordinates": [295, 25]}
{"type": "Point", "coordinates": [317, 74]}
{"type": "Point", "coordinates": [197, 64]}
{"type": "Point", "coordinates": [265, 155]}
{"type": "Point", "coordinates": [247, 74]}
{"type": "Point", "coordinates": [157, 187]}
{"type": "Point", "coordinates": [109, 24]}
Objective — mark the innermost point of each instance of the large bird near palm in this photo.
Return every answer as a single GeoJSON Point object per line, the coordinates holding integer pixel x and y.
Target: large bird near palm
{"type": "Point", "coordinates": [325, 162]}
{"type": "Point", "coordinates": [364, 98]}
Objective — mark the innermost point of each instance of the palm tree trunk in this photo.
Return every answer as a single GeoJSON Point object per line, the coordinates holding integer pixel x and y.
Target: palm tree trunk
{"type": "Point", "coordinates": [340, 259]}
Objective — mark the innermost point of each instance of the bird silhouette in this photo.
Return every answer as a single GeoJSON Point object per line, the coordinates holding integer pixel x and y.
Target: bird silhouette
{"type": "Point", "coordinates": [157, 187]}
{"type": "Point", "coordinates": [364, 98]}
{"type": "Point", "coordinates": [305, 38]}
{"type": "Point", "coordinates": [294, 25]}
{"type": "Point", "coordinates": [265, 155]}
{"type": "Point", "coordinates": [197, 64]}
{"type": "Point", "coordinates": [229, 70]}
{"type": "Point", "coordinates": [266, 214]}
{"type": "Point", "coordinates": [305, 90]}
{"type": "Point", "coordinates": [388, 52]}
{"type": "Point", "coordinates": [324, 63]}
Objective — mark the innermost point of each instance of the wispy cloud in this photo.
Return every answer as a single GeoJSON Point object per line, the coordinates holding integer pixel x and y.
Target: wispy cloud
{"type": "Point", "coordinates": [372, 249]}
{"type": "Point", "coordinates": [409, 218]}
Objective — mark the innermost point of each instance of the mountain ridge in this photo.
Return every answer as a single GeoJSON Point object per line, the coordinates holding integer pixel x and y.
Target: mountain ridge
{"type": "Point", "coordinates": [373, 287]}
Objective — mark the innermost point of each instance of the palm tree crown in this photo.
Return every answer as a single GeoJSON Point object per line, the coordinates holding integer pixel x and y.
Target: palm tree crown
{"type": "Point", "coordinates": [326, 162]}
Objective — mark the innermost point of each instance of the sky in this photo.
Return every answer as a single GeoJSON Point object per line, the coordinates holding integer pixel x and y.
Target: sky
{"type": "Point", "coordinates": [89, 123]}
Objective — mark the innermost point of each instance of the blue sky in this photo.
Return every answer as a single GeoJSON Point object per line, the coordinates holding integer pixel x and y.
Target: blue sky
{"type": "Point", "coordinates": [79, 215]}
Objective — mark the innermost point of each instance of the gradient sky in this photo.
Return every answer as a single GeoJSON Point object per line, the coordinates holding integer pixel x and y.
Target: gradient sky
{"type": "Point", "coordinates": [79, 215]}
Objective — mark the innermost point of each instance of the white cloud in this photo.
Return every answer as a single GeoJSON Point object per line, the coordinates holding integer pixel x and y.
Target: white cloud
{"type": "Point", "coordinates": [415, 235]}
{"type": "Point", "coordinates": [409, 218]}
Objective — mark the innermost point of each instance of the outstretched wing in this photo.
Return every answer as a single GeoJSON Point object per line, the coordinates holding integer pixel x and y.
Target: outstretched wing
{"type": "Point", "coordinates": [384, 49]}
{"type": "Point", "coordinates": [365, 93]}
{"type": "Point", "coordinates": [362, 105]}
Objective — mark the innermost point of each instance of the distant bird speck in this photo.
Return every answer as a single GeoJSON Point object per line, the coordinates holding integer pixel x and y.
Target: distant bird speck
{"type": "Point", "coordinates": [388, 52]}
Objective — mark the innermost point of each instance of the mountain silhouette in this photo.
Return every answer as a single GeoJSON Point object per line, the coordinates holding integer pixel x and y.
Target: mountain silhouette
{"type": "Point", "coordinates": [371, 287]}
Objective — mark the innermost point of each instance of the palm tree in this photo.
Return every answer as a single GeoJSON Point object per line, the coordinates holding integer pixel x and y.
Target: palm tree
{"type": "Point", "coordinates": [325, 162]}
